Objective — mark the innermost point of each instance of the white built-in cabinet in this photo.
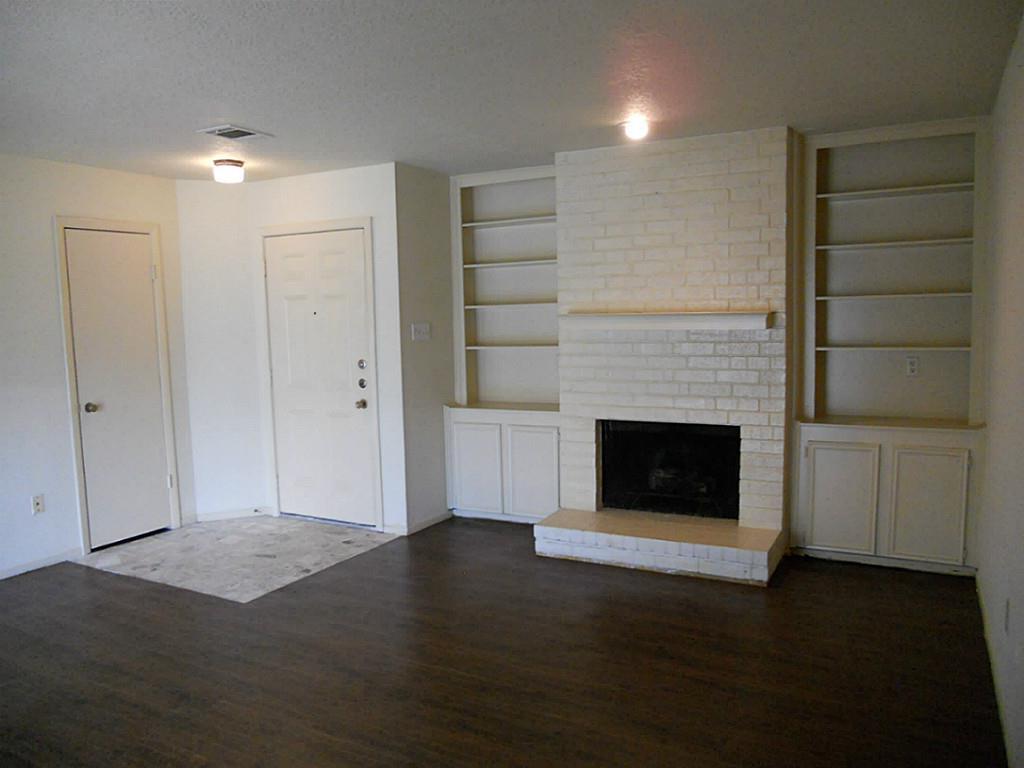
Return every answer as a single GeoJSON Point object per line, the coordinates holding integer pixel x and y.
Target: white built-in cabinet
{"type": "Point", "coordinates": [898, 495]}
{"type": "Point", "coordinates": [890, 409]}
{"type": "Point", "coordinates": [502, 463]}
{"type": "Point", "coordinates": [502, 434]}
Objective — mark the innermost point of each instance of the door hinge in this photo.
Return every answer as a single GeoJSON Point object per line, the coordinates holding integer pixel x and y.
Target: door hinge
{"type": "Point", "coordinates": [170, 481]}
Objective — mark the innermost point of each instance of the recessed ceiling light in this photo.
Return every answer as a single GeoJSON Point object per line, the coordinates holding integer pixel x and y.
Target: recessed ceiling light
{"type": "Point", "coordinates": [636, 128]}
{"type": "Point", "coordinates": [228, 171]}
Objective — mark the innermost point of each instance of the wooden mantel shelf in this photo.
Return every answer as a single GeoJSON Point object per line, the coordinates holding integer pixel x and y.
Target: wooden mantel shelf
{"type": "Point", "coordinates": [672, 321]}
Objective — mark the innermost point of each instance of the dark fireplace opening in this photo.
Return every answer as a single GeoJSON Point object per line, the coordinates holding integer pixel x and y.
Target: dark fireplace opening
{"type": "Point", "coordinates": [684, 469]}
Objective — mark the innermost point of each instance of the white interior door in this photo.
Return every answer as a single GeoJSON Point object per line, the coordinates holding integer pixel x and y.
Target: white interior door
{"type": "Point", "coordinates": [320, 312]}
{"type": "Point", "coordinates": [117, 366]}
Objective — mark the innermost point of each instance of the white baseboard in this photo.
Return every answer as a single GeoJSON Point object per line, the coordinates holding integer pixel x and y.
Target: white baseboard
{"type": "Point", "coordinates": [890, 562]}
{"type": "Point", "coordinates": [231, 514]}
{"type": "Point", "coordinates": [71, 554]}
{"type": "Point", "coordinates": [422, 524]}
{"type": "Point", "coordinates": [526, 520]}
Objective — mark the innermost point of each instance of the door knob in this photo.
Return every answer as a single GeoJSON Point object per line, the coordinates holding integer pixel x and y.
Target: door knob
{"type": "Point", "coordinates": [91, 407]}
{"type": "Point", "coordinates": [361, 403]}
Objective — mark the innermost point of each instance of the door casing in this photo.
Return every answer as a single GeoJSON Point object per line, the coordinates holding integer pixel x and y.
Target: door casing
{"type": "Point", "coordinates": [315, 227]}
{"type": "Point", "coordinates": [62, 223]}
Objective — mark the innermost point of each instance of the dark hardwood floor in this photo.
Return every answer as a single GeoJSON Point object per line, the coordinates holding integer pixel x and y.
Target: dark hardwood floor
{"type": "Point", "coordinates": [457, 646]}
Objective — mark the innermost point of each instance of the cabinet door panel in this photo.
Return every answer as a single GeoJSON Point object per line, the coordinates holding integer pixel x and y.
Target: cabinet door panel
{"type": "Point", "coordinates": [843, 495]}
{"type": "Point", "coordinates": [476, 454]}
{"type": "Point", "coordinates": [531, 470]}
{"type": "Point", "coordinates": [929, 498]}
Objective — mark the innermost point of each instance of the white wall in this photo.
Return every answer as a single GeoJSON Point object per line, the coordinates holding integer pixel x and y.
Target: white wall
{"type": "Point", "coordinates": [693, 224]}
{"type": "Point", "coordinates": [225, 313]}
{"type": "Point", "coordinates": [222, 349]}
{"type": "Point", "coordinates": [35, 421]}
{"type": "Point", "coordinates": [1001, 526]}
{"type": "Point", "coordinates": [424, 261]}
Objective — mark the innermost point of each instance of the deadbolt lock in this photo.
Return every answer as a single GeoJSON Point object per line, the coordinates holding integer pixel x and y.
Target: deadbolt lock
{"type": "Point", "coordinates": [362, 383]}
{"type": "Point", "coordinates": [362, 365]}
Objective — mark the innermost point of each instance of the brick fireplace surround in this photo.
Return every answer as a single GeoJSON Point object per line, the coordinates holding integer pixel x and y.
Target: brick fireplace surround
{"type": "Point", "coordinates": [693, 225]}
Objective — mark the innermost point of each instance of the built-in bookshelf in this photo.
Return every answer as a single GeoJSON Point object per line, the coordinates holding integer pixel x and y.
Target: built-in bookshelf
{"type": "Point", "coordinates": [504, 263]}
{"type": "Point", "coordinates": [890, 291]}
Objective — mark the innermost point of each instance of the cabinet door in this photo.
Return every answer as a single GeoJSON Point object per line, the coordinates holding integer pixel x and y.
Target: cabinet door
{"type": "Point", "coordinates": [842, 495]}
{"type": "Point", "coordinates": [929, 499]}
{"type": "Point", "coordinates": [531, 470]}
{"type": "Point", "coordinates": [476, 457]}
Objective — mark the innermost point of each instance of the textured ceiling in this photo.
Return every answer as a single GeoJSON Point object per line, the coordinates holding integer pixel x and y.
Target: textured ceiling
{"type": "Point", "coordinates": [465, 85]}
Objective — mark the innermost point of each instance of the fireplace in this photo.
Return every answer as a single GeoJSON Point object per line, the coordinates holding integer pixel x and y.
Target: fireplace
{"type": "Point", "coordinates": [685, 469]}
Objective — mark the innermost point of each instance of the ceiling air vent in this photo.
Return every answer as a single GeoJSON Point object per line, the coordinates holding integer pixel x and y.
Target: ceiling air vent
{"type": "Point", "coordinates": [235, 132]}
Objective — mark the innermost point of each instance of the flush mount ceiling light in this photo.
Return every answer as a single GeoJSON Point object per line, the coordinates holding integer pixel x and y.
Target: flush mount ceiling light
{"type": "Point", "coordinates": [228, 171]}
{"type": "Point", "coordinates": [636, 128]}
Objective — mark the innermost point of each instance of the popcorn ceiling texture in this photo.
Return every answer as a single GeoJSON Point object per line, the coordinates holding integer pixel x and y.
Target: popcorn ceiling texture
{"type": "Point", "coordinates": [694, 224]}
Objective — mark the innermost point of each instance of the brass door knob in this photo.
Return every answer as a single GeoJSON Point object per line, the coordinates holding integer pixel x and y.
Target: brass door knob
{"type": "Point", "coordinates": [91, 407]}
{"type": "Point", "coordinates": [361, 403]}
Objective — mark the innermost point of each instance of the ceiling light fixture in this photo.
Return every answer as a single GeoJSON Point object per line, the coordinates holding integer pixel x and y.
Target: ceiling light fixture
{"type": "Point", "coordinates": [228, 171]}
{"type": "Point", "coordinates": [636, 128]}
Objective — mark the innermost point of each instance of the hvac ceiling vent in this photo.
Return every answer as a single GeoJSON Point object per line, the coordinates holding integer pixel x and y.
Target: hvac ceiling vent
{"type": "Point", "coordinates": [235, 132]}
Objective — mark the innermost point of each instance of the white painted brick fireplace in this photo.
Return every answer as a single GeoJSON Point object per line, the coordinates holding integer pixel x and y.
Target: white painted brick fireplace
{"type": "Point", "coordinates": [693, 225]}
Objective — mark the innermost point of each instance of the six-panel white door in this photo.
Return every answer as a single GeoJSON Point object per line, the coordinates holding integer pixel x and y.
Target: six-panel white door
{"type": "Point", "coordinates": [114, 331]}
{"type": "Point", "coordinates": [320, 313]}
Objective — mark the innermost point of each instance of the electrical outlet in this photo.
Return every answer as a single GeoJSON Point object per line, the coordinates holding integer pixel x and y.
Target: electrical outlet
{"type": "Point", "coordinates": [913, 365]}
{"type": "Point", "coordinates": [37, 504]}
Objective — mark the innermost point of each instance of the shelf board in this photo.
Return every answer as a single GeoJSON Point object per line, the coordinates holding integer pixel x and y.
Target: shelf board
{"type": "Point", "coordinates": [875, 296]}
{"type": "Point", "coordinates": [510, 346]}
{"type": "Point", "coordinates": [497, 406]}
{"type": "Point", "coordinates": [891, 422]}
{"type": "Point", "coordinates": [514, 222]}
{"type": "Point", "coordinates": [672, 321]}
{"type": "Point", "coordinates": [921, 189]}
{"type": "Point", "coordinates": [893, 348]}
{"type": "Point", "coordinates": [895, 244]}
{"type": "Point", "coordinates": [549, 260]}
{"type": "Point", "coordinates": [514, 305]}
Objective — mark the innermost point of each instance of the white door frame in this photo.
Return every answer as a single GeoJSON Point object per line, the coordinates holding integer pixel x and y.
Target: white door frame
{"type": "Point", "coordinates": [311, 228]}
{"type": "Point", "coordinates": [62, 223]}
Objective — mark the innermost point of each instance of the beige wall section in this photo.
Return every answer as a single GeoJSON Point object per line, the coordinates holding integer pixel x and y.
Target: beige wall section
{"type": "Point", "coordinates": [35, 431]}
{"type": "Point", "coordinates": [1001, 525]}
{"type": "Point", "coordinates": [424, 275]}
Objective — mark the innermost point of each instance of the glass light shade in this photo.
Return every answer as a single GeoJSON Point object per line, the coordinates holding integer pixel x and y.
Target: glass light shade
{"type": "Point", "coordinates": [228, 171]}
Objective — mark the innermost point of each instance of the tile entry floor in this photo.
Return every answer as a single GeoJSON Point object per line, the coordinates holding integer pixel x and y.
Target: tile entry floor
{"type": "Point", "coordinates": [239, 559]}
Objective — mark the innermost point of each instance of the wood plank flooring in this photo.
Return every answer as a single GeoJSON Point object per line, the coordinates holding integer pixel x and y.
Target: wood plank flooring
{"type": "Point", "coordinates": [459, 647]}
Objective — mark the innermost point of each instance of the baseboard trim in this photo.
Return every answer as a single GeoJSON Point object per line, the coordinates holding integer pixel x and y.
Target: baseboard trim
{"type": "Point", "coordinates": [424, 524]}
{"type": "Point", "coordinates": [523, 519]}
{"type": "Point", "coordinates": [232, 514]}
{"type": "Point", "coordinates": [71, 554]}
{"type": "Point", "coordinates": [889, 562]}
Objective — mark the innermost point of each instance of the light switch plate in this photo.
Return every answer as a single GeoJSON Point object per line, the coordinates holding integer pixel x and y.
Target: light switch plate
{"type": "Point", "coordinates": [421, 331]}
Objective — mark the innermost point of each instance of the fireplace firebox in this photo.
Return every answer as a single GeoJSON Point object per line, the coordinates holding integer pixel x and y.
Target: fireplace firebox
{"type": "Point", "coordinates": [685, 469]}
